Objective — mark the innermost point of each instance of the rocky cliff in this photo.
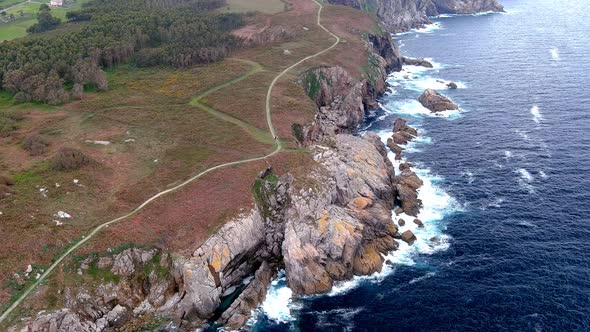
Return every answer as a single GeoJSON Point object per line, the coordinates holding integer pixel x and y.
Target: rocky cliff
{"type": "Point", "coordinates": [403, 15]}
{"type": "Point", "coordinates": [329, 225]}
{"type": "Point", "coordinates": [342, 101]}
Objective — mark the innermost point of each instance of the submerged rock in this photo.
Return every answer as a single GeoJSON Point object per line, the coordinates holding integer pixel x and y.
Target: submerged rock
{"type": "Point", "coordinates": [436, 102]}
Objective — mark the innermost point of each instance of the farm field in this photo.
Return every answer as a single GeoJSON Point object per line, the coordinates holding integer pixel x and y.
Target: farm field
{"type": "Point", "coordinates": [25, 16]}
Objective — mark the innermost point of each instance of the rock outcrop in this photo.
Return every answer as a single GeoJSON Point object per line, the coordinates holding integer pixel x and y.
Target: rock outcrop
{"type": "Point", "coordinates": [403, 15]}
{"type": "Point", "coordinates": [340, 228]}
{"type": "Point", "coordinates": [141, 282]}
{"type": "Point", "coordinates": [436, 102]}
{"type": "Point", "coordinates": [342, 101]}
{"type": "Point", "coordinates": [417, 62]}
{"type": "Point", "coordinates": [407, 182]}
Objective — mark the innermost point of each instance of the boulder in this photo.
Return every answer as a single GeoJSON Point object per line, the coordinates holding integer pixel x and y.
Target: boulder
{"type": "Point", "coordinates": [436, 102]}
{"type": "Point", "coordinates": [419, 223]}
{"type": "Point", "coordinates": [396, 149]}
{"type": "Point", "coordinates": [452, 85]}
{"type": "Point", "coordinates": [368, 261]}
{"type": "Point", "coordinates": [408, 237]}
{"type": "Point", "coordinates": [401, 222]}
{"type": "Point", "coordinates": [417, 62]}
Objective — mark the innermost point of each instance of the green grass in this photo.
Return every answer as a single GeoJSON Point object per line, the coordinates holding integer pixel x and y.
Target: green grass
{"type": "Point", "coordinates": [18, 28]}
{"type": "Point", "coordinates": [245, 6]}
{"type": "Point", "coordinates": [27, 177]}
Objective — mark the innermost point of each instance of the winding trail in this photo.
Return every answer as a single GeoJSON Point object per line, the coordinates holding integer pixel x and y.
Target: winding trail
{"type": "Point", "coordinates": [278, 148]}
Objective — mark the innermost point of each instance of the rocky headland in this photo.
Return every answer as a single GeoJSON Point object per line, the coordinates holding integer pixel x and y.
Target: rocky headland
{"type": "Point", "coordinates": [403, 15]}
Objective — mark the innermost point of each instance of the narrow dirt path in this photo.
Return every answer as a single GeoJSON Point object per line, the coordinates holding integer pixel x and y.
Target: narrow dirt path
{"type": "Point", "coordinates": [278, 147]}
{"type": "Point", "coordinates": [258, 134]}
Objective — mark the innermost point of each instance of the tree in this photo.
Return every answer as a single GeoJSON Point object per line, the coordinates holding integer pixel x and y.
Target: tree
{"type": "Point", "coordinates": [45, 21]}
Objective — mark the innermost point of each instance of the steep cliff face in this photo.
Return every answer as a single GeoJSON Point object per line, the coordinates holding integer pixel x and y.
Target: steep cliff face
{"type": "Point", "coordinates": [342, 101]}
{"type": "Point", "coordinates": [402, 15]}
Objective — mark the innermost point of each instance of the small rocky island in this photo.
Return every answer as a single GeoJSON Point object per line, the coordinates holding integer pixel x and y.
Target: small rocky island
{"type": "Point", "coordinates": [436, 102]}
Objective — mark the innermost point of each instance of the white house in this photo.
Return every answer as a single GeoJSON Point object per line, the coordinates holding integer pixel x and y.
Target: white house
{"type": "Point", "coordinates": [56, 3]}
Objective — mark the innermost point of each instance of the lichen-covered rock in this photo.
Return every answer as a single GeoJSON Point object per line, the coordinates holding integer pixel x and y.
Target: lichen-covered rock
{"type": "Point", "coordinates": [343, 226]}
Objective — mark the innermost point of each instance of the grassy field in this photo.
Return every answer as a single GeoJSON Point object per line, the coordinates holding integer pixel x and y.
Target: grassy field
{"type": "Point", "coordinates": [25, 15]}
{"type": "Point", "coordinates": [262, 6]}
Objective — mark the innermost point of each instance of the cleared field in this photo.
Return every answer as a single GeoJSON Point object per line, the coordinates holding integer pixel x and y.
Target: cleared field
{"type": "Point", "coordinates": [262, 6]}
{"type": "Point", "coordinates": [25, 15]}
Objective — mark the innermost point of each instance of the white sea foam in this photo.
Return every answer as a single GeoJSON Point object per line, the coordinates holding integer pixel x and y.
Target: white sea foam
{"type": "Point", "coordinates": [474, 14]}
{"type": "Point", "coordinates": [426, 276]}
{"type": "Point", "coordinates": [278, 303]}
{"type": "Point", "coordinates": [536, 112]}
{"type": "Point", "coordinates": [414, 108]}
{"type": "Point", "coordinates": [421, 84]}
{"type": "Point", "coordinates": [543, 175]}
{"type": "Point", "coordinates": [525, 180]}
{"type": "Point", "coordinates": [497, 203]}
{"type": "Point", "coordinates": [507, 154]}
{"type": "Point", "coordinates": [525, 175]}
{"type": "Point", "coordinates": [429, 28]}
{"type": "Point", "coordinates": [555, 54]}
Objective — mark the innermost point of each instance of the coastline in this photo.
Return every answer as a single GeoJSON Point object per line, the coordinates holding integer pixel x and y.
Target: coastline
{"type": "Point", "coordinates": [280, 306]}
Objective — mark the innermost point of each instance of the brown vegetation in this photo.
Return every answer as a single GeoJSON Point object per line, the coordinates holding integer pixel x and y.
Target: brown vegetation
{"type": "Point", "coordinates": [69, 159]}
{"type": "Point", "coordinates": [35, 144]}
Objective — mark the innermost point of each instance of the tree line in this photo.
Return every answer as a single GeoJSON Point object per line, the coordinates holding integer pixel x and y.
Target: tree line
{"type": "Point", "coordinates": [55, 67]}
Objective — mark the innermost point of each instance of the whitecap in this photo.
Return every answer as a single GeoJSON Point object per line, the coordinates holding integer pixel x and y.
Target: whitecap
{"type": "Point", "coordinates": [426, 276]}
{"type": "Point", "coordinates": [469, 175]}
{"type": "Point", "coordinates": [536, 112]}
{"type": "Point", "coordinates": [507, 154]}
{"type": "Point", "coordinates": [555, 54]}
{"type": "Point", "coordinates": [543, 175]}
{"type": "Point", "coordinates": [525, 180]}
{"type": "Point", "coordinates": [497, 203]}
{"type": "Point", "coordinates": [526, 224]}
{"type": "Point", "coordinates": [525, 175]}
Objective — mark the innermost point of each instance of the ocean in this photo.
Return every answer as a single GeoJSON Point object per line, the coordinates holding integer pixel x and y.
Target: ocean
{"type": "Point", "coordinates": [507, 184]}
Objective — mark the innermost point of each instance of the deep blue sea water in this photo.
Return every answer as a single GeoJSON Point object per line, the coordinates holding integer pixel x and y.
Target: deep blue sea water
{"type": "Point", "coordinates": [507, 184]}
